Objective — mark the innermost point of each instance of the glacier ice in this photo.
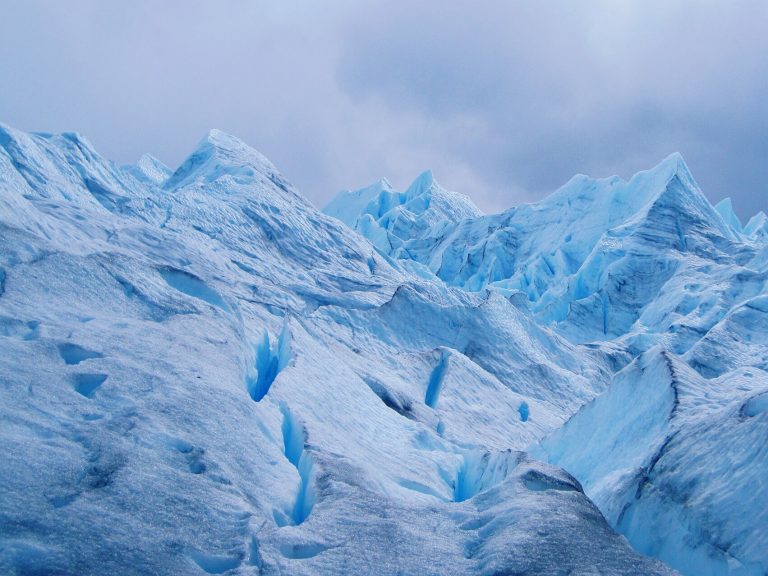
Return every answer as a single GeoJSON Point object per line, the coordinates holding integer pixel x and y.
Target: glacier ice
{"type": "Point", "coordinates": [725, 209]}
{"type": "Point", "coordinates": [389, 218]}
{"type": "Point", "coordinates": [679, 471]}
{"type": "Point", "coordinates": [669, 293]}
{"type": "Point", "coordinates": [201, 373]}
{"type": "Point", "coordinates": [757, 226]}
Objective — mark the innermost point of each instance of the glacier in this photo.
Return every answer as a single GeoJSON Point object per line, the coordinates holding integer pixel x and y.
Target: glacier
{"type": "Point", "coordinates": [670, 292]}
{"type": "Point", "coordinates": [204, 374]}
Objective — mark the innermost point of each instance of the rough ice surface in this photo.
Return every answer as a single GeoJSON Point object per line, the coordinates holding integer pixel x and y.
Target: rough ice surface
{"type": "Point", "coordinates": [680, 472]}
{"type": "Point", "coordinates": [202, 374]}
{"type": "Point", "coordinates": [670, 294]}
{"type": "Point", "coordinates": [757, 227]}
{"type": "Point", "coordinates": [389, 218]}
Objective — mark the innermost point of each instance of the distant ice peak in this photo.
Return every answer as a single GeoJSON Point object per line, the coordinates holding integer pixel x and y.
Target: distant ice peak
{"type": "Point", "coordinates": [221, 154]}
{"type": "Point", "coordinates": [422, 184]}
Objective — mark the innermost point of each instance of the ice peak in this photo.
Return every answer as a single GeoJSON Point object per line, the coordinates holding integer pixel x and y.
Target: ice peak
{"type": "Point", "coordinates": [234, 150]}
{"type": "Point", "coordinates": [77, 138]}
{"type": "Point", "coordinates": [5, 131]}
{"type": "Point", "coordinates": [658, 184]}
{"type": "Point", "coordinates": [757, 225]}
{"type": "Point", "coordinates": [674, 165]}
{"type": "Point", "coordinates": [19, 141]}
{"type": "Point", "coordinates": [725, 209]}
{"type": "Point", "coordinates": [348, 205]}
{"type": "Point", "coordinates": [675, 158]}
{"type": "Point", "coordinates": [423, 183]}
{"type": "Point", "coordinates": [382, 184]}
{"type": "Point", "coordinates": [642, 187]}
{"type": "Point", "coordinates": [7, 135]}
{"type": "Point", "coordinates": [218, 154]}
{"type": "Point", "coordinates": [223, 140]}
{"type": "Point", "coordinates": [726, 204]}
{"type": "Point", "coordinates": [673, 189]}
{"type": "Point", "coordinates": [424, 200]}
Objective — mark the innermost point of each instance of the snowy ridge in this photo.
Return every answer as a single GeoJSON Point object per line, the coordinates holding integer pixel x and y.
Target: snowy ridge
{"type": "Point", "coordinates": [202, 375]}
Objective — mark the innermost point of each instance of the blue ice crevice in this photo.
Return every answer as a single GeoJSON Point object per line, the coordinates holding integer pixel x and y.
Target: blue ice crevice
{"type": "Point", "coordinates": [294, 443]}
{"type": "Point", "coordinates": [271, 359]}
{"type": "Point", "coordinates": [524, 411]}
{"type": "Point", "coordinates": [480, 470]}
{"type": "Point", "coordinates": [436, 379]}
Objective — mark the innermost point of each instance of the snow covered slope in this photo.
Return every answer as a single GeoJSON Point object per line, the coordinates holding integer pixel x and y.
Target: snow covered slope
{"type": "Point", "coordinates": [200, 373]}
{"type": "Point", "coordinates": [672, 294]}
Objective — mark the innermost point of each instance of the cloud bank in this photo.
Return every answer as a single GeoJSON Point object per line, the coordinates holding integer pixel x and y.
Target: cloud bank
{"type": "Point", "coordinates": [504, 100]}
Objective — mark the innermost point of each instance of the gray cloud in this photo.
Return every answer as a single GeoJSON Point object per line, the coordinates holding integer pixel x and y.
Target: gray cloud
{"type": "Point", "coordinates": [504, 100]}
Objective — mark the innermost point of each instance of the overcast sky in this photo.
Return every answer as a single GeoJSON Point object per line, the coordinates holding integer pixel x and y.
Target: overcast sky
{"type": "Point", "coordinates": [504, 100]}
